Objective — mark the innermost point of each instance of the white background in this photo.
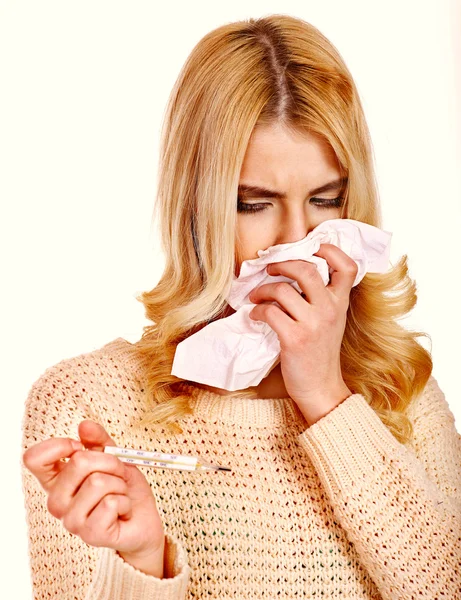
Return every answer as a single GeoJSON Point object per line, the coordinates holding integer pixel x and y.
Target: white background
{"type": "Point", "coordinates": [83, 89]}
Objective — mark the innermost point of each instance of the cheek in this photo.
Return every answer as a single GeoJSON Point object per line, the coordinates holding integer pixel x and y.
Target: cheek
{"type": "Point", "coordinates": [250, 239]}
{"type": "Point", "coordinates": [327, 215]}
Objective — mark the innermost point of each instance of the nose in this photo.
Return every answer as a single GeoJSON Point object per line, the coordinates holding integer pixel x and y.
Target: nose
{"type": "Point", "coordinates": [295, 226]}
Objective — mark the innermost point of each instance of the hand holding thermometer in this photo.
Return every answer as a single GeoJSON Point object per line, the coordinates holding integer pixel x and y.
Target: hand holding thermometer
{"type": "Point", "coordinates": [162, 461]}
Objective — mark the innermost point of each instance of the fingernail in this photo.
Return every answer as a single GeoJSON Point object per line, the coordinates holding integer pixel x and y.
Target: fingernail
{"type": "Point", "coordinates": [77, 445]}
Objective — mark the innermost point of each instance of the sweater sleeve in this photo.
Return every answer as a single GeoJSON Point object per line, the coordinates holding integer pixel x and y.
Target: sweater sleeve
{"type": "Point", "coordinates": [116, 579]}
{"type": "Point", "coordinates": [62, 565]}
{"type": "Point", "coordinates": [400, 507]}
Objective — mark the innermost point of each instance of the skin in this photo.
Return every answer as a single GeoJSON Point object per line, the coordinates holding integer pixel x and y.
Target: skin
{"type": "Point", "coordinates": [295, 164]}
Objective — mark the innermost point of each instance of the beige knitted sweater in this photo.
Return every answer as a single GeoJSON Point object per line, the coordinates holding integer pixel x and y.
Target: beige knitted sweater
{"type": "Point", "coordinates": [340, 509]}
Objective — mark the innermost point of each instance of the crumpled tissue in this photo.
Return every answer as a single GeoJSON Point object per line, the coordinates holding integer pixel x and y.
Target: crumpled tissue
{"type": "Point", "coordinates": [235, 352]}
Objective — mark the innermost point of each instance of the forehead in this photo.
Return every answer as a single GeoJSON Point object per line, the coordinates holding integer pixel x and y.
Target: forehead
{"type": "Point", "coordinates": [276, 155]}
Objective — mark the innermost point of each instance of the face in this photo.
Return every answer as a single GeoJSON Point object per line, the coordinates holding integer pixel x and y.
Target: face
{"type": "Point", "coordinates": [292, 168]}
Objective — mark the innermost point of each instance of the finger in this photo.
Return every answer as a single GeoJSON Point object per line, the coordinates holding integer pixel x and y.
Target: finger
{"type": "Point", "coordinates": [277, 320]}
{"type": "Point", "coordinates": [95, 487]}
{"type": "Point", "coordinates": [44, 459]}
{"type": "Point", "coordinates": [306, 275]}
{"type": "Point", "coordinates": [79, 467]}
{"type": "Point", "coordinates": [344, 269]}
{"type": "Point", "coordinates": [285, 295]}
{"type": "Point", "coordinates": [93, 436]}
{"type": "Point", "coordinates": [107, 519]}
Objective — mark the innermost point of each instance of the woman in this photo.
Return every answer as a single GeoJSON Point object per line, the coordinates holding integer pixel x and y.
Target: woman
{"type": "Point", "coordinates": [345, 459]}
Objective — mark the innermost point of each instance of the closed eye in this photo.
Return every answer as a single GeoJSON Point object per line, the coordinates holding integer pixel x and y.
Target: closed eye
{"type": "Point", "coordinates": [321, 203]}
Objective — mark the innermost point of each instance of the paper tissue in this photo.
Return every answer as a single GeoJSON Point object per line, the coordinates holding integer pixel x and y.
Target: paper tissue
{"type": "Point", "coordinates": [236, 352]}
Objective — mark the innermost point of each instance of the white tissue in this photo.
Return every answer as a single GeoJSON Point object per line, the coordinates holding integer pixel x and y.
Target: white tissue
{"type": "Point", "coordinates": [236, 352]}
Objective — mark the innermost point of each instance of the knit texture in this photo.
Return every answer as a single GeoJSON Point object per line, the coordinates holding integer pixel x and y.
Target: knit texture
{"type": "Point", "coordinates": [340, 509]}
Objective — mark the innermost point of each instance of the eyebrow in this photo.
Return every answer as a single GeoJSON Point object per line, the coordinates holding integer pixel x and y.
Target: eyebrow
{"type": "Point", "coordinates": [253, 191]}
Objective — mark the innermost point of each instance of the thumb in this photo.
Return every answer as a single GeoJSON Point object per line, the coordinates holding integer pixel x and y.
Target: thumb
{"type": "Point", "coordinates": [93, 436]}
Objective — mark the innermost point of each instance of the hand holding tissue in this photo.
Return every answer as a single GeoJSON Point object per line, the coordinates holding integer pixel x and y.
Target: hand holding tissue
{"type": "Point", "coordinates": [237, 352]}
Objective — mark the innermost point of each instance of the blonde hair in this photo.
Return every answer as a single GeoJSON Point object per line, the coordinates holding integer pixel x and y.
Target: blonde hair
{"type": "Point", "coordinates": [276, 69]}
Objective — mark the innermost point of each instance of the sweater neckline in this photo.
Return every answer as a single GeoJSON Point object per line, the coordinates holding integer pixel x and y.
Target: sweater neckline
{"type": "Point", "coordinates": [258, 412]}
{"type": "Point", "coordinates": [212, 407]}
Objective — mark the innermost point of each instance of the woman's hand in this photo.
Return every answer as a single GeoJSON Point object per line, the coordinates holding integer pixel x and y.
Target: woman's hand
{"type": "Point", "coordinates": [98, 497]}
{"type": "Point", "coordinates": [311, 330]}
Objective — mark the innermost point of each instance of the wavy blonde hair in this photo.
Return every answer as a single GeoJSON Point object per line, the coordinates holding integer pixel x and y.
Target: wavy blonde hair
{"type": "Point", "coordinates": [276, 69]}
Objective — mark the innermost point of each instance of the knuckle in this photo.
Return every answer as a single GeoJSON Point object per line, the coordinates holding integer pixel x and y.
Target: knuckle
{"type": "Point", "coordinates": [97, 480]}
{"type": "Point", "coordinates": [309, 268]}
{"type": "Point", "coordinates": [270, 310]}
{"type": "Point", "coordinates": [80, 459]}
{"type": "Point", "coordinates": [313, 332]}
{"type": "Point", "coordinates": [330, 314]}
{"type": "Point", "coordinates": [315, 335]}
{"type": "Point", "coordinates": [281, 288]}
{"type": "Point", "coordinates": [54, 507]}
{"type": "Point", "coordinates": [71, 524]}
{"type": "Point", "coordinates": [297, 340]}
{"type": "Point", "coordinates": [27, 458]}
{"type": "Point", "coordinates": [353, 268]}
{"type": "Point", "coordinates": [110, 502]}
